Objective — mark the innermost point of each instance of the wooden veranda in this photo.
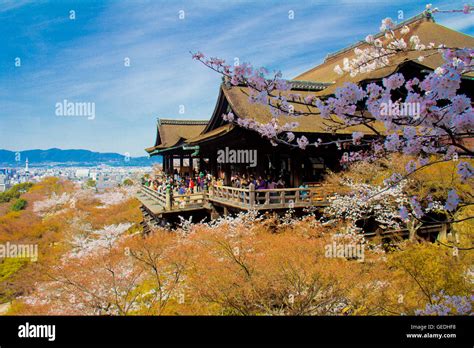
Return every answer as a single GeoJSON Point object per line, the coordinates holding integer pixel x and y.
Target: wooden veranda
{"type": "Point", "coordinates": [243, 199]}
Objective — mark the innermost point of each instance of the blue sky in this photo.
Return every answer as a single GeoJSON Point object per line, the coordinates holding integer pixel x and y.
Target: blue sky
{"type": "Point", "coordinates": [82, 60]}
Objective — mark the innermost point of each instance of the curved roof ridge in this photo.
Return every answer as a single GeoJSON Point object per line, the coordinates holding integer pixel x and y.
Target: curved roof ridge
{"type": "Point", "coordinates": [308, 85]}
{"type": "Point", "coordinates": [171, 121]}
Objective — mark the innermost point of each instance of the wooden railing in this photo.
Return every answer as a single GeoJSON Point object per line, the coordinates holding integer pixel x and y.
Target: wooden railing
{"type": "Point", "coordinates": [240, 198]}
{"type": "Point", "coordinates": [159, 197]}
{"type": "Point", "coordinates": [270, 198]}
{"type": "Point", "coordinates": [191, 200]}
{"type": "Point", "coordinates": [236, 197]}
{"type": "Point", "coordinates": [170, 202]}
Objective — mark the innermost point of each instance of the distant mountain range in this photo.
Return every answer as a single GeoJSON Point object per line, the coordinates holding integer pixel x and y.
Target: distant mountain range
{"type": "Point", "coordinates": [58, 157]}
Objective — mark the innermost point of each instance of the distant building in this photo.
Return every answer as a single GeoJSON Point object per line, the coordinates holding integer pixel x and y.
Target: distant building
{"type": "Point", "coordinates": [104, 182]}
{"type": "Point", "coordinates": [82, 173]}
{"type": "Point", "coordinates": [4, 183]}
{"type": "Point", "coordinates": [8, 172]}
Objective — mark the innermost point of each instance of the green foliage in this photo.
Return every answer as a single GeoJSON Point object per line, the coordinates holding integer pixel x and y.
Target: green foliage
{"type": "Point", "coordinates": [19, 204]}
{"type": "Point", "coordinates": [431, 268]}
{"type": "Point", "coordinates": [15, 192]}
{"type": "Point", "coordinates": [91, 183]}
{"type": "Point", "coordinates": [9, 266]}
{"type": "Point", "coordinates": [127, 182]}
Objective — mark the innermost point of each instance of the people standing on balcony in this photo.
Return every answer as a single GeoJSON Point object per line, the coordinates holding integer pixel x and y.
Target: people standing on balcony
{"type": "Point", "coordinates": [251, 181]}
{"type": "Point", "coordinates": [271, 184]}
{"type": "Point", "coordinates": [261, 184]}
{"type": "Point", "coordinates": [244, 182]}
{"type": "Point", "coordinates": [236, 181]}
{"type": "Point", "coordinates": [280, 183]}
{"type": "Point", "coordinates": [304, 193]}
{"type": "Point", "coordinates": [201, 181]}
{"type": "Point", "coordinates": [198, 182]}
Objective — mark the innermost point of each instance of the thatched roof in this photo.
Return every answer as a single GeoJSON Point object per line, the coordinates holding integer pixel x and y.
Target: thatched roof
{"type": "Point", "coordinates": [171, 133]}
{"type": "Point", "coordinates": [422, 26]}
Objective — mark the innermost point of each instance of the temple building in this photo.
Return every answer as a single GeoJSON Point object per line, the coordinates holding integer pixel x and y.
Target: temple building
{"type": "Point", "coordinates": [198, 145]}
{"type": "Point", "coordinates": [188, 145]}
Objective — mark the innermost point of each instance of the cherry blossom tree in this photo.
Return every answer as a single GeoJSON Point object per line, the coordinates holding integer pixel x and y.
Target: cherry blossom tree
{"type": "Point", "coordinates": [389, 206]}
{"type": "Point", "coordinates": [445, 305]}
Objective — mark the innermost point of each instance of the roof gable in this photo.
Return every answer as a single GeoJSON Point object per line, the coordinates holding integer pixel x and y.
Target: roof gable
{"type": "Point", "coordinates": [171, 132]}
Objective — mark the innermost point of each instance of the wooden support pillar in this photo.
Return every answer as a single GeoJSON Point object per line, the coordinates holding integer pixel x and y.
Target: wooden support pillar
{"type": "Point", "coordinates": [252, 195]}
{"type": "Point", "coordinates": [214, 213]}
{"type": "Point", "coordinates": [171, 164]}
{"type": "Point", "coordinates": [290, 170]}
{"type": "Point", "coordinates": [227, 174]}
{"type": "Point", "coordinates": [207, 192]}
{"type": "Point", "coordinates": [164, 163]}
{"type": "Point", "coordinates": [168, 197]}
{"type": "Point", "coordinates": [213, 164]}
{"type": "Point", "coordinates": [201, 164]}
{"type": "Point", "coordinates": [274, 161]}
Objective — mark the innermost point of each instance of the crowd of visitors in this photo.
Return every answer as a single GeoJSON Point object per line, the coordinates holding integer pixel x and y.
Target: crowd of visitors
{"type": "Point", "coordinates": [260, 183]}
{"type": "Point", "coordinates": [180, 185]}
{"type": "Point", "coordinates": [185, 184]}
{"type": "Point", "coordinates": [198, 182]}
